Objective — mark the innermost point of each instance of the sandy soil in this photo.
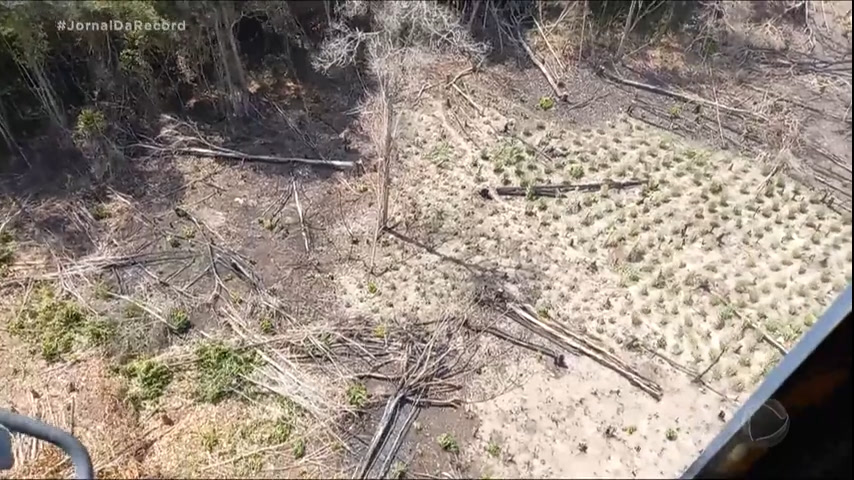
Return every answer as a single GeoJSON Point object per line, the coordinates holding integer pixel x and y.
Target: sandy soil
{"type": "Point", "coordinates": [678, 267]}
{"type": "Point", "coordinates": [588, 422]}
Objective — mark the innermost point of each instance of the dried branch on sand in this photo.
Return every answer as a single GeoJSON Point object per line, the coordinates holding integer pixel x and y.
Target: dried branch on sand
{"type": "Point", "coordinates": [281, 376]}
{"type": "Point", "coordinates": [559, 189]}
{"type": "Point", "coordinates": [559, 358]}
{"type": "Point", "coordinates": [523, 314]}
{"type": "Point", "coordinates": [679, 96]}
{"type": "Point", "coordinates": [171, 141]}
{"type": "Point", "coordinates": [98, 264]}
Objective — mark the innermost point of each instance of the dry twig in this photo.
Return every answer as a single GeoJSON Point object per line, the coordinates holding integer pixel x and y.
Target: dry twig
{"type": "Point", "coordinates": [468, 98]}
{"type": "Point", "coordinates": [303, 230]}
{"type": "Point", "coordinates": [549, 45]}
{"type": "Point", "coordinates": [228, 154]}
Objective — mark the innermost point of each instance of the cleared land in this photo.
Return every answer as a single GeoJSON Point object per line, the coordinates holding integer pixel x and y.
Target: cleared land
{"type": "Point", "coordinates": [230, 318]}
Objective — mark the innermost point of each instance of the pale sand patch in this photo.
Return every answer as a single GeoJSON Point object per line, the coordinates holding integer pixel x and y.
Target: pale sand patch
{"type": "Point", "coordinates": [589, 422]}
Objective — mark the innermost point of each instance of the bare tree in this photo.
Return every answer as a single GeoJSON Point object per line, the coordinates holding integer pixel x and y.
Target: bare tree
{"type": "Point", "coordinates": [229, 59]}
{"type": "Point", "coordinates": [627, 27]}
{"type": "Point", "coordinates": [402, 33]}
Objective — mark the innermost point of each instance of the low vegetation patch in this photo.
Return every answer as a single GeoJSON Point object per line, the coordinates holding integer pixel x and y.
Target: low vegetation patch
{"type": "Point", "coordinates": [298, 448]}
{"type": "Point", "coordinates": [56, 325]}
{"type": "Point", "coordinates": [448, 443]}
{"type": "Point", "coordinates": [148, 380]}
{"type": "Point", "coordinates": [270, 432]}
{"type": "Point", "coordinates": [493, 449]}
{"type": "Point", "coordinates": [179, 321]}
{"type": "Point", "coordinates": [222, 370]}
{"type": "Point", "coordinates": [546, 103]}
{"type": "Point", "coordinates": [357, 395]}
{"type": "Point", "coordinates": [441, 154]}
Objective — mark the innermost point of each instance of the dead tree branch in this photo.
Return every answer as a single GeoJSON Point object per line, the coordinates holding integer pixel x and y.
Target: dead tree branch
{"type": "Point", "coordinates": [559, 358]}
{"type": "Point", "coordinates": [228, 154]}
{"type": "Point", "coordinates": [471, 102]}
{"type": "Point", "coordinates": [559, 190]}
{"type": "Point", "coordinates": [559, 93]}
{"type": "Point", "coordinates": [576, 342]}
{"type": "Point", "coordinates": [679, 96]}
{"type": "Point", "coordinates": [303, 229]}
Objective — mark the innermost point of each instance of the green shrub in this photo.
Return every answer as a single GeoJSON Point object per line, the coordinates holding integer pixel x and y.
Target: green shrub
{"type": "Point", "coordinates": [179, 321]}
{"type": "Point", "coordinates": [90, 123]}
{"type": "Point", "coordinates": [357, 395]}
{"type": "Point", "coordinates": [56, 325]}
{"type": "Point", "coordinates": [148, 380]}
{"type": "Point", "coordinates": [448, 443]}
{"type": "Point", "coordinates": [221, 370]}
{"type": "Point", "coordinates": [546, 103]}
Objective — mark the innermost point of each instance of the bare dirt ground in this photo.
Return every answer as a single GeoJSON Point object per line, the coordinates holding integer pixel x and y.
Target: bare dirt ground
{"type": "Point", "coordinates": [711, 268]}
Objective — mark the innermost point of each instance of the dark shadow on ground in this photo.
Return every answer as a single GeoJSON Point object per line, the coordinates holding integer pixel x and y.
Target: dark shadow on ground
{"type": "Point", "coordinates": [301, 113]}
{"type": "Point", "coordinates": [61, 199]}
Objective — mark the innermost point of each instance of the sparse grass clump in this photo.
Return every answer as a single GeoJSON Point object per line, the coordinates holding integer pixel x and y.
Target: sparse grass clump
{"type": "Point", "coordinates": [210, 440]}
{"type": "Point", "coordinates": [100, 212]}
{"type": "Point", "coordinates": [148, 380]}
{"type": "Point", "coordinates": [98, 332]}
{"type": "Point", "coordinates": [441, 154]}
{"type": "Point", "coordinates": [267, 326]}
{"type": "Point", "coordinates": [269, 224]}
{"type": "Point", "coordinates": [716, 188]}
{"type": "Point", "coordinates": [448, 443]}
{"type": "Point", "coordinates": [132, 310]}
{"type": "Point", "coordinates": [90, 122]}
{"type": "Point", "coordinates": [222, 369]}
{"type": "Point", "coordinates": [179, 321]}
{"type": "Point", "coordinates": [493, 449]}
{"type": "Point", "coordinates": [380, 331]}
{"type": "Point", "coordinates": [298, 448]}
{"type": "Point", "coordinates": [398, 470]}
{"type": "Point", "coordinates": [546, 103]}
{"type": "Point", "coordinates": [357, 395]}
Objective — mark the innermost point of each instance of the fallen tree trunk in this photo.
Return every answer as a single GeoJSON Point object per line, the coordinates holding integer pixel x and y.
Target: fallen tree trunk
{"type": "Point", "coordinates": [559, 189]}
{"type": "Point", "coordinates": [678, 96]}
{"type": "Point", "coordinates": [226, 154]}
{"type": "Point", "coordinates": [560, 94]}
